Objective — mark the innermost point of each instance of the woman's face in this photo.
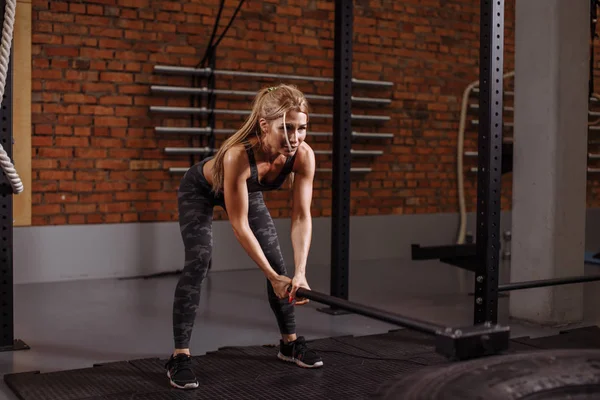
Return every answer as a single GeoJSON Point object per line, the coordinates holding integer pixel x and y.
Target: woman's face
{"type": "Point", "coordinates": [274, 133]}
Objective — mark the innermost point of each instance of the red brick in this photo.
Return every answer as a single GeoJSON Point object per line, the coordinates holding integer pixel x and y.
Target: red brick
{"type": "Point", "coordinates": [93, 135]}
{"type": "Point", "coordinates": [45, 209]}
{"type": "Point", "coordinates": [76, 219]}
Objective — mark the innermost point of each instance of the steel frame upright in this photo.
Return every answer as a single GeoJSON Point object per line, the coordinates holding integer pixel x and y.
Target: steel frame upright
{"type": "Point", "coordinates": [490, 138]}
{"type": "Point", "coordinates": [342, 142]}
{"type": "Point", "coordinates": [489, 176]}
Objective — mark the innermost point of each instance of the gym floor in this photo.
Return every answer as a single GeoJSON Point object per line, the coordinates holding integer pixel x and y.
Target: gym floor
{"type": "Point", "coordinates": [75, 324]}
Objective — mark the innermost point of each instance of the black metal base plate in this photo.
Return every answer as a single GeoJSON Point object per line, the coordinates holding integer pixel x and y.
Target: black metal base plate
{"type": "Point", "coordinates": [355, 367]}
{"type": "Point", "coordinates": [473, 341]}
{"type": "Point", "coordinates": [18, 344]}
{"type": "Point", "coordinates": [333, 311]}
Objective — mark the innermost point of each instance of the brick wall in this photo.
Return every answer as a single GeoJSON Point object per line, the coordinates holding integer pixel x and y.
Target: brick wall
{"type": "Point", "coordinates": [97, 159]}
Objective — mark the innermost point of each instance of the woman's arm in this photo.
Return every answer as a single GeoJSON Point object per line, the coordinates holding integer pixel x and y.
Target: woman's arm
{"type": "Point", "coordinates": [301, 224]}
{"type": "Point", "coordinates": [235, 190]}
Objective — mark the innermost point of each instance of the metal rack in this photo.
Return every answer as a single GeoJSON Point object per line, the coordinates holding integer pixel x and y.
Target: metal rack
{"type": "Point", "coordinates": [196, 95]}
{"type": "Point", "coordinates": [483, 257]}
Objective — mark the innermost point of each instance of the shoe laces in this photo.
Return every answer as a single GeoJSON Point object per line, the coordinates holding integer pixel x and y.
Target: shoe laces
{"type": "Point", "coordinates": [180, 362]}
{"type": "Point", "coordinates": [300, 347]}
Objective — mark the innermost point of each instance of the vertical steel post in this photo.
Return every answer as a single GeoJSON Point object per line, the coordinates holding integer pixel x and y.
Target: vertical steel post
{"type": "Point", "coordinates": [490, 160]}
{"type": "Point", "coordinates": [7, 340]}
{"type": "Point", "coordinates": [342, 142]}
{"type": "Point", "coordinates": [593, 22]}
{"type": "Point", "coordinates": [212, 97]}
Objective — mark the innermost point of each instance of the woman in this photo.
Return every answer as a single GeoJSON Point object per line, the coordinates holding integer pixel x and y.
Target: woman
{"type": "Point", "coordinates": [259, 157]}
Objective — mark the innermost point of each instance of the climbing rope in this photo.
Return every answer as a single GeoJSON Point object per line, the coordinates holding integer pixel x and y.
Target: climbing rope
{"type": "Point", "coordinates": [7, 35]}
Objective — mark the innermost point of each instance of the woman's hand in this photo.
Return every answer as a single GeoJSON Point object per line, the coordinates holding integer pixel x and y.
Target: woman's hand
{"type": "Point", "coordinates": [299, 281]}
{"type": "Point", "coordinates": [280, 285]}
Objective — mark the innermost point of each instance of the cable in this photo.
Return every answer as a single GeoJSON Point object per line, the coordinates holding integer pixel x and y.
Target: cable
{"type": "Point", "coordinates": [373, 358]}
{"type": "Point", "coordinates": [7, 34]}
{"type": "Point", "coordinates": [363, 357]}
{"type": "Point", "coordinates": [212, 36]}
{"type": "Point", "coordinates": [459, 157]}
{"type": "Point", "coordinates": [212, 46]}
{"type": "Point", "coordinates": [230, 22]}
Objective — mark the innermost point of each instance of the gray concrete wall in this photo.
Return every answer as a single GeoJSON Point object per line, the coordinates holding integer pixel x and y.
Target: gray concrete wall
{"type": "Point", "coordinates": [57, 253]}
{"type": "Point", "coordinates": [550, 156]}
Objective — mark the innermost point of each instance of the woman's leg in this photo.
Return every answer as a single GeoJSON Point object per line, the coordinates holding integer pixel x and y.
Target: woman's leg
{"type": "Point", "coordinates": [291, 348]}
{"type": "Point", "coordinates": [195, 222]}
{"type": "Point", "coordinates": [263, 227]}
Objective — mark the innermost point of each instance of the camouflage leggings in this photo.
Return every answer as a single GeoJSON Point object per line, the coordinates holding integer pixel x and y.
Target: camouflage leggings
{"type": "Point", "coordinates": [195, 220]}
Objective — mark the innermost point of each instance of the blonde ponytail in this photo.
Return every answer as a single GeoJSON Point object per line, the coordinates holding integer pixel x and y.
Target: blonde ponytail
{"type": "Point", "coordinates": [269, 103]}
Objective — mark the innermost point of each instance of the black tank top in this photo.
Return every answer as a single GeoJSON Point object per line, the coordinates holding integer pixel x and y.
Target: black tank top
{"type": "Point", "coordinates": [254, 185]}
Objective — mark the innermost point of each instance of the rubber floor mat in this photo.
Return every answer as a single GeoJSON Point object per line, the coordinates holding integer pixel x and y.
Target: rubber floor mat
{"type": "Point", "coordinates": [100, 380]}
{"type": "Point", "coordinates": [400, 344]}
{"type": "Point", "coordinates": [355, 366]}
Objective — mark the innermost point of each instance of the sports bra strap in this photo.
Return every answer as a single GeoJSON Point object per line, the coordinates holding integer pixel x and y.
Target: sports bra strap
{"type": "Point", "coordinates": [286, 170]}
{"type": "Point", "coordinates": [289, 165]}
{"type": "Point", "coordinates": [253, 168]}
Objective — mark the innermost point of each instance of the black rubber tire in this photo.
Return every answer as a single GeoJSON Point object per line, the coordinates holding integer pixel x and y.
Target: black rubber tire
{"type": "Point", "coordinates": [538, 375]}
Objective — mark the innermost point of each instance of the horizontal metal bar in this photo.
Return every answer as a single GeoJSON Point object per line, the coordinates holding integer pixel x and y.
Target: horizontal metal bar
{"type": "Point", "coordinates": [372, 135]}
{"type": "Point", "coordinates": [184, 169]}
{"type": "Point", "coordinates": [437, 252]}
{"type": "Point", "coordinates": [167, 69]}
{"type": "Point", "coordinates": [176, 70]}
{"type": "Point", "coordinates": [204, 110]}
{"type": "Point", "coordinates": [356, 169]}
{"type": "Point", "coordinates": [354, 152]}
{"type": "Point", "coordinates": [471, 153]}
{"type": "Point", "coordinates": [182, 90]}
{"type": "Point", "coordinates": [207, 131]}
{"type": "Point", "coordinates": [367, 82]}
{"type": "Point", "coordinates": [191, 130]}
{"type": "Point", "coordinates": [547, 282]}
{"type": "Point", "coordinates": [195, 110]}
{"type": "Point", "coordinates": [358, 117]}
{"type": "Point", "coordinates": [371, 312]}
{"type": "Point", "coordinates": [357, 135]}
{"type": "Point", "coordinates": [594, 156]}
{"type": "Point", "coordinates": [594, 113]}
{"type": "Point", "coordinates": [456, 343]}
{"type": "Point", "coordinates": [357, 99]}
{"type": "Point", "coordinates": [189, 150]}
